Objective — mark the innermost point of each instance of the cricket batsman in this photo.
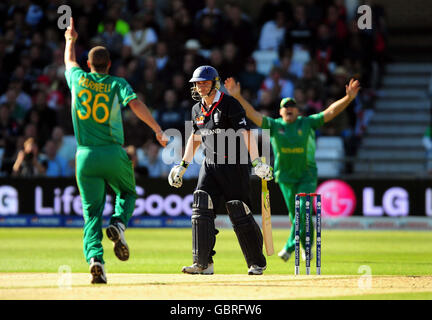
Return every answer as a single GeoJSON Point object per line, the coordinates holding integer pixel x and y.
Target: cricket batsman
{"type": "Point", "coordinates": [97, 100]}
{"type": "Point", "coordinates": [217, 117]}
{"type": "Point", "coordinates": [293, 142]}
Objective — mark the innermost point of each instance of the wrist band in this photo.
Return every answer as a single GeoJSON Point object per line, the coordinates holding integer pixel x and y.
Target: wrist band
{"type": "Point", "coordinates": [184, 164]}
{"type": "Point", "coordinates": [255, 162]}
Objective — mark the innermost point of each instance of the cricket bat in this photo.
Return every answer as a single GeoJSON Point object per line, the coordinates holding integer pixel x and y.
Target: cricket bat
{"type": "Point", "coordinates": [266, 218]}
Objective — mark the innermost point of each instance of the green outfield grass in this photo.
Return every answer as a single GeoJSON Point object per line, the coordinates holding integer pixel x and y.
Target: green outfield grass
{"type": "Point", "coordinates": [167, 250]}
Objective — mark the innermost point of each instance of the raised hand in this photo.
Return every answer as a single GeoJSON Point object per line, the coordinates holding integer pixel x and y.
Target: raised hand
{"type": "Point", "coordinates": [70, 33]}
{"type": "Point", "coordinates": [162, 138]}
{"type": "Point", "coordinates": [352, 88]}
{"type": "Point", "coordinates": [232, 87]}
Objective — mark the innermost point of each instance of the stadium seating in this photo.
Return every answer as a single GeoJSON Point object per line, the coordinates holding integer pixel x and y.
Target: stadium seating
{"type": "Point", "coordinates": [329, 156]}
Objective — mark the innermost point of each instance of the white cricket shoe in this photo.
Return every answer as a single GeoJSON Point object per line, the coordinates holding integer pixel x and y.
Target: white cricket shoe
{"type": "Point", "coordinates": [284, 255]}
{"type": "Point", "coordinates": [195, 269]}
{"type": "Point", "coordinates": [256, 270]}
{"type": "Point", "coordinates": [97, 270]}
{"type": "Point", "coordinates": [115, 232]}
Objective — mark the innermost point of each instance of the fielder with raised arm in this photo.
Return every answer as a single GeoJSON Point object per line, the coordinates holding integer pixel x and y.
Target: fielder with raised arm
{"type": "Point", "coordinates": [217, 117]}
{"type": "Point", "coordinates": [97, 100]}
{"type": "Point", "coordinates": [293, 143]}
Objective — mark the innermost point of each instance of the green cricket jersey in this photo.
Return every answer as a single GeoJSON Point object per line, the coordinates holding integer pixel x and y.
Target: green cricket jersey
{"type": "Point", "coordinates": [293, 145]}
{"type": "Point", "coordinates": [96, 104]}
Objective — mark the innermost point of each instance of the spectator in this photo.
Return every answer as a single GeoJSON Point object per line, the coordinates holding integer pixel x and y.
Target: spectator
{"type": "Point", "coordinates": [55, 165]}
{"type": "Point", "coordinates": [58, 63]}
{"type": "Point", "coordinates": [314, 12]}
{"type": "Point", "coordinates": [193, 47]}
{"type": "Point", "coordinates": [92, 12]}
{"type": "Point", "coordinates": [182, 91]}
{"type": "Point", "coordinates": [272, 33]}
{"type": "Point", "coordinates": [339, 126]}
{"type": "Point", "coordinates": [34, 15]}
{"type": "Point", "coordinates": [208, 32]}
{"type": "Point", "coordinates": [184, 23]}
{"type": "Point", "coordinates": [188, 64]}
{"type": "Point", "coordinates": [32, 64]}
{"type": "Point", "coordinates": [217, 62]}
{"type": "Point", "coordinates": [135, 132]}
{"type": "Point", "coordinates": [153, 14]}
{"type": "Point", "coordinates": [338, 32]}
{"type": "Point", "coordinates": [42, 116]}
{"type": "Point", "coordinates": [114, 11]}
{"type": "Point", "coordinates": [53, 86]}
{"type": "Point", "coordinates": [132, 154]}
{"type": "Point", "coordinates": [174, 41]}
{"type": "Point", "coordinates": [30, 131]}
{"type": "Point", "coordinates": [169, 116]}
{"type": "Point", "coordinates": [231, 59]}
{"type": "Point", "coordinates": [278, 86]}
{"type": "Point", "coordinates": [238, 29]}
{"type": "Point", "coordinates": [9, 131]}
{"type": "Point", "coordinates": [299, 30]}
{"type": "Point", "coordinates": [212, 11]}
{"type": "Point", "coordinates": [151, 158]}
{"type": "Point", "coordinates": [270, 7]}
{"type": "Point", "coordinates": [150, 87]}
{"type": "Point", "coordinates": [364, 110]}
{"type": "Point", "coordinates": [111, 39]}
{"type": "Point", "coordinates": [66, 147]}
{"type": "Point", "coordinates": [28, 163]}
{"type": "Point", "coordinates": [23, 99]}
{"type": "Point", "coordinates": [313, 102]}
{"type": "Point", "coordinates": [300, 98]}
{"type": "Point", "coordinates": [340, 77]}
{"type": "Point", "coordinates": [141, 39]}
{"type": "Point", "coordinates": [324, 48]}
{"type": "Point", "coordinates": [164, 63]}
{"type": "Point", "coordinates": [291, 70]}
{"type": "Point", "coordinates": [266, 104]}
{"type": "Point", "coordinates": [17, 110]}
{"type": "Point", "coordinates": [311, 79]}
{"type": "Point", "coordinates": [250, 78]}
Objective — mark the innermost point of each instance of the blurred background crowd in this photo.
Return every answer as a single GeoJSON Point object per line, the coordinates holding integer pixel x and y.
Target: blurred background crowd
{"type": "Point", "coordinates": [314, 48]}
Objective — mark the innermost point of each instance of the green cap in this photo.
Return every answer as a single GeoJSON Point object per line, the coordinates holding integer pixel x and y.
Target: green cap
{"type": "Point", "coordinates": [288, 102]}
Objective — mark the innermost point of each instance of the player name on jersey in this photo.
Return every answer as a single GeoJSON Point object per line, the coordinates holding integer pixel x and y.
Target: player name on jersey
{"type": "Point", "coordinates": [99, 87]}
{"type": "Point", "coordinates": [292, 150]}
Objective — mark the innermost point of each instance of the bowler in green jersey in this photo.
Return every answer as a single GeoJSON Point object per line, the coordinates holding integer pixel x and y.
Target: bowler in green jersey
{"type": "Point", "coordinates": [97, 100]}
{"type": "Point", "coordinates": [292, 138]}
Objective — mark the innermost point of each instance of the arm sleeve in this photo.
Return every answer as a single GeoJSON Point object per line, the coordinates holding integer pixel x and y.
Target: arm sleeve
{"type": "Point", "coordinates": [73, 74]}
{"type": "Point", "coordinates": [317, 120]}
{"type": "Point", "coordinates": [194, 126]}
{"type": "Point", "coordinates": [268, 123]}
{"type": "Point", "coordinates": [237, 116]}
{"type": "Point", "coordinates": [126, 93]}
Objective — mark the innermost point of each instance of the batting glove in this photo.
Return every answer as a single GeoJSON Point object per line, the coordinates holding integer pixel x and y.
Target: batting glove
{"type": "Point", "coordinates": [262, 169]}
{"type": "Point", "coordinates": [175, 177]}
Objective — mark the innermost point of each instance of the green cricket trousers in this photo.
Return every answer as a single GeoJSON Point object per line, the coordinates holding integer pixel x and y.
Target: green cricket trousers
{"type": "Point", "coordinates": [97, 167]}
{"type": "Point", "coordinates": [289, 191]}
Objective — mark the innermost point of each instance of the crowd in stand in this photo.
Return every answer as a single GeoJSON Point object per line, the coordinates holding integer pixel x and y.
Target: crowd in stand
{"type": "Point", "coordinates": [156, 45]}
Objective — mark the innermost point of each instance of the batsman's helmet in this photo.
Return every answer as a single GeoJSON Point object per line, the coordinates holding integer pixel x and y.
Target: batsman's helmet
{"type": "Point", "coordinates": [204, 73]}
